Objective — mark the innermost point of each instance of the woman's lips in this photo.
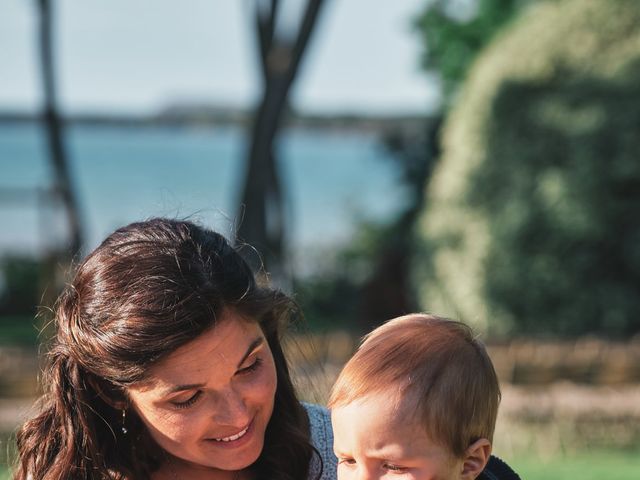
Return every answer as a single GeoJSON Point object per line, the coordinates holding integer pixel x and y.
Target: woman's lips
{"type": "Point", "coordinates": [233, 437]}
{"type": "Point", "coordinates": [236, 440]}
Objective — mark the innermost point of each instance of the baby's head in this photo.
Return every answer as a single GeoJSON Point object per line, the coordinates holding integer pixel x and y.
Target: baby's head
{"type": "Point", "coordinates": [420, 397]}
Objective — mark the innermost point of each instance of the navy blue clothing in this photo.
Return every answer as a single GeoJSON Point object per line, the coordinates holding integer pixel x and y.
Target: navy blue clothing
{"type": "Point", "coordinates": [496, 469]}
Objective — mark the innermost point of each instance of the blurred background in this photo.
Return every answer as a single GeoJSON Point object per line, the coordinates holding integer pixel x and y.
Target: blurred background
{"type": "Point", "coordinates": [478, 159]}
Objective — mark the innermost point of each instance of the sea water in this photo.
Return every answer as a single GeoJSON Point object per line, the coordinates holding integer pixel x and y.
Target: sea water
{"type": "Point", "coordinates": [331, 180]}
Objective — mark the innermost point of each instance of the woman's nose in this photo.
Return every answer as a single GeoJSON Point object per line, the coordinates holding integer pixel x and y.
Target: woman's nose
{"type": "Point", "coordinates": [231, 409]}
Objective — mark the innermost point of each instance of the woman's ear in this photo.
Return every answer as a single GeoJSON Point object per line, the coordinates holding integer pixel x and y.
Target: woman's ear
{"type": "Point", "coordinates": [475, 459]}
{"type": "Point", "coordinates": [107, 393]}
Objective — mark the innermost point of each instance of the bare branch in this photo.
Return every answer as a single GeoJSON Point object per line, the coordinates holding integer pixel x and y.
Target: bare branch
{"type": "Point", "coordinates": [266, 25]}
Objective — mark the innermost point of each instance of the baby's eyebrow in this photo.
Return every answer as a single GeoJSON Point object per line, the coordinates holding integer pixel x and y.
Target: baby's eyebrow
{"type": "Point", "coordinates": [339, 453]}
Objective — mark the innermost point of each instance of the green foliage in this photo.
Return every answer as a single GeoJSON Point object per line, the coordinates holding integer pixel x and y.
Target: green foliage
{"type": "Point", "coordinates": [453, 39]}
{"type": "Point", "coordinates": [20, 330]}
{"type": "Point", "coordinates": [367, 282]}
{"type": "Point", "coordinates": [331, 297]}
{"type": "Point", "coordinates": [531, 213]}
{"type": "Point", "coordinates": [19, 288]}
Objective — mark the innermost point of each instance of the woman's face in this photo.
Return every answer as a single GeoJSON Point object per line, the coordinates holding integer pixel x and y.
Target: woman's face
{"type": "Point", "coordinates": [209, 402]}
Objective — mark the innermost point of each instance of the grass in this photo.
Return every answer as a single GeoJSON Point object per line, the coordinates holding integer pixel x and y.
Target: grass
{"type": "Point", "coordinates": [609, 465]}
{"type": "Point", "coordinates": [598, 465]}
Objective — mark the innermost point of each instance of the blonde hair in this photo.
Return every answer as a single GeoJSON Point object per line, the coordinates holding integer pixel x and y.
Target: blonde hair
{"type": "Point", "coordinates": [439, 363]}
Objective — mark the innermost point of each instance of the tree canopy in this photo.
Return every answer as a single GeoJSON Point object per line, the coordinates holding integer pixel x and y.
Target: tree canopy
{"type": "Point", "coordinates": [530, 223]}
{"type": "Point", "coordinates": [453, 37]}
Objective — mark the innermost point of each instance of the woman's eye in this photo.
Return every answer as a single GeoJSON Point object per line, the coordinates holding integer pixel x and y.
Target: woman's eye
{"type": "Point", "coordinates": [347, 461]}
{"type": "Point", "coordinates": [251, 368]}
{"type": "Point", "coordinates": [190, 401]}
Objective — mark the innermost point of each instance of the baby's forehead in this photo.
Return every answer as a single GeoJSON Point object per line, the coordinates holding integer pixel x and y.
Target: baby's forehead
{"type": "Point", "coordinates": [393, 404]}
{"type": "Point", "coordinates": [403, 397]}
{"type": "Point", "coordinates": [383, 418]}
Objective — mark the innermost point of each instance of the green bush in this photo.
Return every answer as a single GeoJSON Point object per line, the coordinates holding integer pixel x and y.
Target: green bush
{"type": "Point", "coordinates": [531, 223]}
{"type": "Point", "coordinates": [19, 285]}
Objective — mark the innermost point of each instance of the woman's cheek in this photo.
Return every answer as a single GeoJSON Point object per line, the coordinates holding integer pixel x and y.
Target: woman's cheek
{"type": "Point", "coordinates": [264, 384]}
{"type": "Point", "coordinates": [175, 426]}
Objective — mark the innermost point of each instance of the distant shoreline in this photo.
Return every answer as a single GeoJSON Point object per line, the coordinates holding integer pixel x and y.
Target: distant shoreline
{"type": "Point", "coordinates": [211, 118]}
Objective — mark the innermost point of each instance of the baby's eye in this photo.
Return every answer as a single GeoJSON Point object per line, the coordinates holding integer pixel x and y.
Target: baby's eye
{"type": "Point", "coordinates": [346, 461]}
{"type": "Point", "coordinates": [395, 468]}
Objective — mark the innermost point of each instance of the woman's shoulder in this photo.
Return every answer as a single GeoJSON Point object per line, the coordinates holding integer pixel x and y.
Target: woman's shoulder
{"type": "Point", "coordinates": [322, 440]}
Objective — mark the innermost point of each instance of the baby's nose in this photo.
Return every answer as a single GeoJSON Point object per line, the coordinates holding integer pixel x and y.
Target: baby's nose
{"type": "Point", "coordinates": [364, 473]}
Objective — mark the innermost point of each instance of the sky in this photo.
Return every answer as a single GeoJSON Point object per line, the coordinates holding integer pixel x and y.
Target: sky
{"type": "Point", "coordinates": [123, 56]}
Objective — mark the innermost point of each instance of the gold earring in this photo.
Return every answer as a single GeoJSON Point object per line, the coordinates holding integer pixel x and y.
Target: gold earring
{"type": "Point", "coordinates": [124, 419]}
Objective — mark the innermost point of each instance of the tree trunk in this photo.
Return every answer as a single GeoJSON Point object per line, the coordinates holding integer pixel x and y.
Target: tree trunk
{"type": "Point", "coordinates": [387, 293]}
{"type": "Point", "coordinates": [262, 221]}
{"type": "Point", "coordinates": [54, 130]}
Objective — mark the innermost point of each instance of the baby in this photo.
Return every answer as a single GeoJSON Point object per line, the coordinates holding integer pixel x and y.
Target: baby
{"type": "Point", "coordinates": [418, 399]}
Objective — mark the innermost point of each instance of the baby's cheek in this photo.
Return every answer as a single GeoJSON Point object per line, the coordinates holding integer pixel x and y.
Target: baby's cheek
{"type": "Point", "coordinates": [345, 472]}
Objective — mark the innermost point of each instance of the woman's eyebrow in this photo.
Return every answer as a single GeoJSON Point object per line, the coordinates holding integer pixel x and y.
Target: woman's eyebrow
{"type": "Point", "coordinates": [191, 386]}
{"type": "Point", "coordinates": [252, 347]}
{"type": "Point", "coordinates": [180, 388]}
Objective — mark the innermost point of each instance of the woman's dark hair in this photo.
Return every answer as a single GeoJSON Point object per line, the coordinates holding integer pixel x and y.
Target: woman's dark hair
{"type": "Point", "coordinates": [148, 289]}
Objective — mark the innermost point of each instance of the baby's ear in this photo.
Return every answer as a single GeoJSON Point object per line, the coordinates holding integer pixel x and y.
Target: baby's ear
{"type": "Point", "coordinates": [475, 459]}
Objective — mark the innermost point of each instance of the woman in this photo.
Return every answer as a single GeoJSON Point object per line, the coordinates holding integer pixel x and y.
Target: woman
{"type": "Point", "coordinates": [167, 364]}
